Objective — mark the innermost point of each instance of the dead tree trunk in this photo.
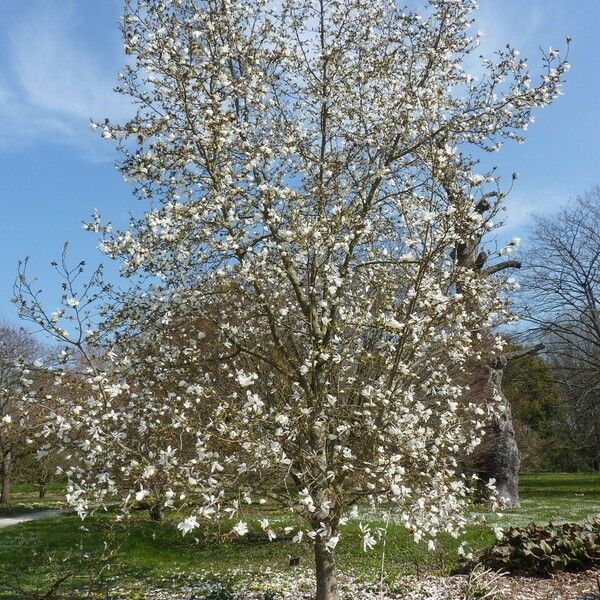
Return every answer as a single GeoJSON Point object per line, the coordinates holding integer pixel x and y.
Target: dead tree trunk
{"type": "Point", "coordinates": [499, 457]}
{"type": "Point", "coordinates": [500, 460]}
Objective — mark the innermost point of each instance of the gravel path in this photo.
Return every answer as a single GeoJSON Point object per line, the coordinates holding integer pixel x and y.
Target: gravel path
{"type": "Point", "coordinates": [32, 516]}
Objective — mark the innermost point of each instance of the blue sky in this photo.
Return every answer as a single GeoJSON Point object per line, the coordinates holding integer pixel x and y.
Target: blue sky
{"type": "Point", "coordinates": [58, 65]}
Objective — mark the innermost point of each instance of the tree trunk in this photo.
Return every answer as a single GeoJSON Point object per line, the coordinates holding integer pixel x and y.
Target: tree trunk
{"type": "Point", "coordinates": [156, 512]}
{"type": "Point", "coordinates": [326, 572]}
{"type": "Point", "coordinates": [7, 467]}
{"type": "Point", "coordinates": [501, 460]}
{"type": "Point", "coordinates": [42, 491]}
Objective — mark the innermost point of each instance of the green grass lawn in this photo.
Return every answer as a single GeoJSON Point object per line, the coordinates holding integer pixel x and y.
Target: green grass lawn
{"type": "Point", "coordinates": [556, 497]}
{"type": "Point", "coordinates": [25, 499]}
{"type": "Point", "coordinates": [34, 555]}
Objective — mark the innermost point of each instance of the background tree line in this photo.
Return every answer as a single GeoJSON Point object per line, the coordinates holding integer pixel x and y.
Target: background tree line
{"type": "Point", "coordinates": [556, 396]}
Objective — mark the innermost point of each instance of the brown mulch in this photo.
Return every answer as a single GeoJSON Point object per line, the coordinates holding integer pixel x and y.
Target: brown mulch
{"type": "Point", "coordinates": [563, 586]}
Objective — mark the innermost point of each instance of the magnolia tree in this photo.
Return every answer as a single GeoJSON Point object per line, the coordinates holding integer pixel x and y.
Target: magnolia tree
{"type": "Point", "coordinates": [29, 392]}
{"type": "Point", "coordinates": [299, 329]}
{"type": "Point", "coordinates": [17, 348]}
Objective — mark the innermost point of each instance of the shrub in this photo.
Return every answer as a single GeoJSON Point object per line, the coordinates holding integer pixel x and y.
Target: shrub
{"type": "Point", "coordinates": [543, 550]}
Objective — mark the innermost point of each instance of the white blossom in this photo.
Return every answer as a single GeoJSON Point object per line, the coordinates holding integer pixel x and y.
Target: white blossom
{"type": "Point", "coordinates": [188, 524]}
{"type": "Point", "coordinates": [241, 528]}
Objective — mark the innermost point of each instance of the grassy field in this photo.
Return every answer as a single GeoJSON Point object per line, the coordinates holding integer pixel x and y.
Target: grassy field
{"type": "Point", "coordinates": [556, 497]}
{"type": "Point", "coordinates": [25, 499]}
{"type": "Point", "coordinates": [33, 556]}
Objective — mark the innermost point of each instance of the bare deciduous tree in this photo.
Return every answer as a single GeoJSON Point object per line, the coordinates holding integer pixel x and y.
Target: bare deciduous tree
{"type": "Point", "coordinates": [561, 289]}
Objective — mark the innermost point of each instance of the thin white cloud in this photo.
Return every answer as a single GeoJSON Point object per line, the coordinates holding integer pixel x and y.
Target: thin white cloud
{"type": "Point", "coordinates": [521, 205]}
{"type": "Point", "coordinates": [516, 23]}
{"type": "Point", "coordinates": [527, 26]}
{"type": "Point", "coordinates": [497, 22]}
{"type": "Point", "coordinates": [57, 81]}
